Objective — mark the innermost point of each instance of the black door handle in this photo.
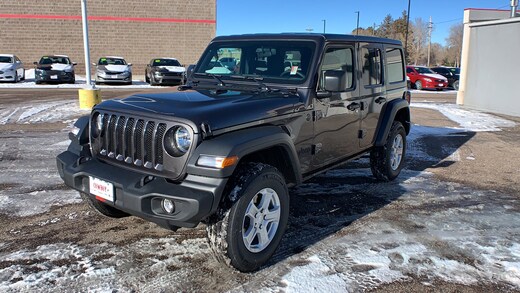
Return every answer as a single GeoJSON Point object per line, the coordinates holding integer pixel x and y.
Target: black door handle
{"type": "Point", "coordinates": [353, 106]}
{"type": "Point", "coordinates": [380, 100]}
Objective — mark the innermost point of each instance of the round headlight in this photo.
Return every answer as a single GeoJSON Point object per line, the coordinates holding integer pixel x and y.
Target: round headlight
{"type": "Point", "coordinates": [97, 125]}
{"type": "Point", "coordinates": [177, 141]}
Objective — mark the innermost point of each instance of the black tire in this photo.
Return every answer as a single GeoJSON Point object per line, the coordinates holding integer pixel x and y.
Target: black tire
{"type": "Point", "coordinates": [418, 85]}
{"type": "Point", "coordinates": [102, 208]}
{"type": "Point", "coordinates": [16, 79]}
{"type": "Point", "coordinates": [456, 85]}
{"type": "Point", "coordinates": [23, 75]}
{"type": "Point", "coordinates": [252, 182]}
{"type": "Point", "coordinates": [382, 161]}
{"type": "Point", "coordinates": [146, 79]}
{"type": "Point", "coordinates": [152, 80]}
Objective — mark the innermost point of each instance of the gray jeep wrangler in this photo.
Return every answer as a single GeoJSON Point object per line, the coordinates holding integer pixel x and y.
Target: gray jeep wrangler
{"type": "Point", "coordinates": [226, 147]}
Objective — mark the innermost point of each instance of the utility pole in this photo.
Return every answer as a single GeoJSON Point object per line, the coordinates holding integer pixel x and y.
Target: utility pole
{"type": "Point", "coordinates": [324, 23]}
{"type": "Point", "coordinates": [407, 24]}
{"type": "Point", "coordinates": [357, 25]}
{"type": "Point", "coordinates": [430, 27]}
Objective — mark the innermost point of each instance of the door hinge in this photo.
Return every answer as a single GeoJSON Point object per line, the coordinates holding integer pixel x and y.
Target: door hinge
{"type": "Point", "coordinates": [316, 148]}
{"type": "Point", "coordinates": [317, 115]}
{"type": "Point", "coordinates": [361, 133]}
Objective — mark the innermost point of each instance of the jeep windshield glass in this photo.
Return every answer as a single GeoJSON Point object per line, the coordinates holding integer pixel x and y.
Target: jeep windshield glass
{"type": "Point", "coordinates": [284, 62]}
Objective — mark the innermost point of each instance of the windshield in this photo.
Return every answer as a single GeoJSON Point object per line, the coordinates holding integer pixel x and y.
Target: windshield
{"type": "Point", "coordinates": [272, 61]}
{"type": "Point", "coordinates": [455, 70]}
{"type": "Point", "coordinates": [112, 61]}
{"type": "Point", "coordinates": [54, 60]}
{"type": "Point", "coordinates": [166, 62]}
{"type": "Point", "coordinates": [5, 59]}
{"type": "Point", "coordinates": [423, 70]}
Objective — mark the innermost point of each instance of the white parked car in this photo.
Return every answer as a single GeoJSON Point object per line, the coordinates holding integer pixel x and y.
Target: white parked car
{"type": "Point", "coordinates": [11, 68]}
{"type": "Point", "coordinates": [113, 70]}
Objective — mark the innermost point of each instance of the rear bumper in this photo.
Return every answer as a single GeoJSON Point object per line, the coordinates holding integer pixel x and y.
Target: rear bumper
{"type": "Point", "coordinates": [194, 197]}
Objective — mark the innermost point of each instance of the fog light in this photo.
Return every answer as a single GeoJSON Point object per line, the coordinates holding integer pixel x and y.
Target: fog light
{"type": "Point", "coordinates": [168, 205]}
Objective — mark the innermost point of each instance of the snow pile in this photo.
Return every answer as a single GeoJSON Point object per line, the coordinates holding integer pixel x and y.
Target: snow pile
{"type": "Point", "coordinates": [467, 119]}
{"type": "Point", "coordinates": [42, 112]}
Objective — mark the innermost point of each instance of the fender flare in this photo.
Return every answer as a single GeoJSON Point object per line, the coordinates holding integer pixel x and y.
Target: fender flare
{"type": "Point", "coordinates": [242, 143]}
{"type": "Point", "coordinates": [389, 113]}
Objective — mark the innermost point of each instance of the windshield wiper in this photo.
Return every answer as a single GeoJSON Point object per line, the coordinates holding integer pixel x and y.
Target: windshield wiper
{"type": "Point", "coordinates": [217, 77]}
{"type": "Point", "coordinates": [258, 80]}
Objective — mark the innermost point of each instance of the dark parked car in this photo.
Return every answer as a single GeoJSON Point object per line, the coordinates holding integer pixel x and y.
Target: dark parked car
{"type": "Point", "coordinates": [225, 149]}
{"type": "Point", "coordinates": [113, 70]}
{"type": "Point", "coordinates": [451, 73]}
{"type": "Point", "coordinates": [55, 69]}
{"type": "Point", "coordinates": [165, 71]}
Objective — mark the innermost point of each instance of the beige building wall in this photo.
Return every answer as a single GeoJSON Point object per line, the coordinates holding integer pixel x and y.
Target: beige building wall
{"type": "Point", "coordinates": [135, 29]}
{"type": "Point", "coordinates": [490, 62]}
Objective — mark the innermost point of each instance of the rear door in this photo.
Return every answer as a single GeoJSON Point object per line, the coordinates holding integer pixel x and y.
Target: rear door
{"type": "Point", "coordinates": [337, 117]}
{"type": "Point", "coordinates": [372, 91]}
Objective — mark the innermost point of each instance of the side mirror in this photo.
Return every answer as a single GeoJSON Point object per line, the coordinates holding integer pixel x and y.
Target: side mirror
{"type": "Point", "coordinates": [18, 61]}
{"type": "Point", "coordinates": [74, 63]}
{"type": "Point", "coordinates": [35, 63]}
{"type": "Point", "coordinates": [94, 64]}
{"type": "Point", "coordinates": [190, 70]}
{"type": "Point", "coordinates": [129, 64]}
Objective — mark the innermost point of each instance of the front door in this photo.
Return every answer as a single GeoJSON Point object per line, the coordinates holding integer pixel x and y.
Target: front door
{"type": "Point", "coordinates": [336, 118]}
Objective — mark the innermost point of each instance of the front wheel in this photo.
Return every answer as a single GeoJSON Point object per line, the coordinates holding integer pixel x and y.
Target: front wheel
{"type": "Point", "coordinates": [419, 85]}
{"type": "Point", "coordinates": [386, 161]}
{"type": "Point", "coordinates": [250, 231]}
{"type": "Point", "coordinates": [456, 85]}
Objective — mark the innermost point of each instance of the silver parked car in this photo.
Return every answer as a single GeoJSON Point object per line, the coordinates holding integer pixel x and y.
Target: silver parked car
{"type": "Point", "coordinates": [113, 70]}
{"type": "Point", "coordinates": [11, 68]}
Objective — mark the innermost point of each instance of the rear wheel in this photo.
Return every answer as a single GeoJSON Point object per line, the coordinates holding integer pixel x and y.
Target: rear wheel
{"type": "Point", "coordinates": [246, 235]}
{"type": "Point", "coordinates": [102, 208]}
{"type": "Point", "coordinates": [386, 161]}
{"type": "Point", "coordinates": [418, 85]}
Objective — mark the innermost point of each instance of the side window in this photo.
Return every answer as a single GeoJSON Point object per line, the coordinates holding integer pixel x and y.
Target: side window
{"type": "Point", "coordinates": [338, 59]}
{"type": "Point", "coordinates": [394, 65]}
{"type": "Point", "coordinates": [409, 70]}
{"type": "Point", "coordinates": [372, 74]}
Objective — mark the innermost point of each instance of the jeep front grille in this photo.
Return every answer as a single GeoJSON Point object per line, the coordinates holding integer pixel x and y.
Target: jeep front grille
{"type": "Point", "coordinates": [132, 140]}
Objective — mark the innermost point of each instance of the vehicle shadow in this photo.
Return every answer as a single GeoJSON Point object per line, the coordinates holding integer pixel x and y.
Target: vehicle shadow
{"type": "Point", "coordinates": [332, 201]}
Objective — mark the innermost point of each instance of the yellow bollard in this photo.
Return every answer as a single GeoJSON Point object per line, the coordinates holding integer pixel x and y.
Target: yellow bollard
{"type": "Point", "coordinates": [88, 98]}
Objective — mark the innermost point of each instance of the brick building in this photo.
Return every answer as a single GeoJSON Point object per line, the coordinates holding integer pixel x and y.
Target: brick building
{"type": "Point", "coordinates": [135, 29]}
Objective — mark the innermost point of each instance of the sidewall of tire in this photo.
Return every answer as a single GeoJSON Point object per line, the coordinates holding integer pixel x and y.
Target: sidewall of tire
{"type": "Point", "coordinates": [396, 129]}
{"type": "Point", "coordinates": [241, 258]}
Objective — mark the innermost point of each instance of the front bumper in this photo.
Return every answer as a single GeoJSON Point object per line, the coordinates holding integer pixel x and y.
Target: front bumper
{"type": "Point", "coordinates": [116, 78]}
{"type": "Point", "coordinates": [7, 76]}
{"type": "Point", "coordinates": [194, 197]}
{"type": "Point", "coordinates": [54, 77]}
{"type": "Point", "coordinates": [163, 79]}
{"type": "Point", "coordinates": [435, 84]}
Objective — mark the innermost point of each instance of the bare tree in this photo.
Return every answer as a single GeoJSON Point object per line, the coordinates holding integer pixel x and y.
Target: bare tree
{"type": "Point", "coordinates": [454, 45]}
{"type": "Point", "coordinates": [420, 36]}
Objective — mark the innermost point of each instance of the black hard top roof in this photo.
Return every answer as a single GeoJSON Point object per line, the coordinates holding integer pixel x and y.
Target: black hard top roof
{"type": "Point", "coordinates": [309, 36]}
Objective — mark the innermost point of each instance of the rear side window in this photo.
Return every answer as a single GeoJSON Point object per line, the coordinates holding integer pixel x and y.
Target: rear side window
{"type": "Point", "coordinates": [339, 59]}
{"type": "Point", "coordinates": [372, 74]}
{"type": "Point", "coordinates": [394, 64]}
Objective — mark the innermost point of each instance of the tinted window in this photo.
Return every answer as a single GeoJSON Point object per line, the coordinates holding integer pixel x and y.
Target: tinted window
{"type": "Point", "coordinates": [54, 60]}
{"type": "Point", "coordinates": [423, 70]}
{"type": "Point", "coordinates": [111, 61]}
{"type": "Point", "coordinates": [5, 59]}
{"type": "Point", "coordinates": [165, 62]}
{"type": "Point", "coordinates": [409, 70]}
{"type": "Point", "coordinates": [338, 59]}
{"type": "Point", "coordinates": [372, 66]}
{"type": "Point", "coordinates": [394, 64]}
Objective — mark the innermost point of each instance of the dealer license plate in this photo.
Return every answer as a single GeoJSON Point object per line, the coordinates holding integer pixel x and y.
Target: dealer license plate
{"type": "Point", "coordinates": [54, 77]}
{"type": "Point", "coordinates": [102, 189]}
{"type": "Point", "coordinates": [441, 84]}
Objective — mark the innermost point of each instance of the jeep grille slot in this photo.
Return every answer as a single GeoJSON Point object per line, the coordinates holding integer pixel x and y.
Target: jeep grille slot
{"type": "Point", "coordinates": [131, 140]}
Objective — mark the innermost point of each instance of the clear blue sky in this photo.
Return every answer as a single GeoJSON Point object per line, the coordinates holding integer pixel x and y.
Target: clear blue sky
{"type": "Point", "coordinates": [274, 16]}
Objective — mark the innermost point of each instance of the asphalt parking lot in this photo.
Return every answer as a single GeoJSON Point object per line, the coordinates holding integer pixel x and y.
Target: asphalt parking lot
{"type": "Point", "coordinates": [447, 224]}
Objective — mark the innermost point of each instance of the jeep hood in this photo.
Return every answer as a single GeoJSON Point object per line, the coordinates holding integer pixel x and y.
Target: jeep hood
{"type": "Point", "coordinates": [219, 110]}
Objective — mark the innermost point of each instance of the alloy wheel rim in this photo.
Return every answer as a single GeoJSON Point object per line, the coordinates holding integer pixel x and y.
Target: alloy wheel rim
{"type": "Point", "coordinates": [261, 220]}
{"type": "Point", "coordinates": [396, 153]}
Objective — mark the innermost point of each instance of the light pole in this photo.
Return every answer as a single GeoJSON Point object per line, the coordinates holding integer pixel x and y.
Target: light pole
{"type": "Point", "coordinates": [407, 24]}
{"type": "Point", "coordinates": [357, 24]}
{"type": "Point", "coordinates": [324, 23]}
{"type": "Point", "coordinates": [89, 96]}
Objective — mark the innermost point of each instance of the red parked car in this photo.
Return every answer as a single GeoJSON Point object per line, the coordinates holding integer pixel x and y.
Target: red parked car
{"type": "Point", "coordinates": [424, 78]}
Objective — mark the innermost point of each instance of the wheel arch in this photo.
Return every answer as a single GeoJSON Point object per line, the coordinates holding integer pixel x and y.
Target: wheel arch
{"type": "Point", "coordinates": [395, 110]}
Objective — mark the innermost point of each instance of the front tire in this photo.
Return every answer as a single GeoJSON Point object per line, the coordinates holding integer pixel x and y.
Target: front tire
{"type": "Point", "coordinates": [418, 85]}
{"type": "Point", "coordinates": [102, 208]}
{"type": "Point", "coordinates": [249, 232]}
{"type": "Point", "coordinates": [386, 161]}
{"type": "Point", "coordinates": [456, 85]}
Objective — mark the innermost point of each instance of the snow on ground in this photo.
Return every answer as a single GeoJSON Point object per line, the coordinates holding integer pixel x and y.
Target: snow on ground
{"type": "Point", "coordinates": [447, 91]}
{"type": "Point", "coordinates": [428, 229]}
{"type": "Point", "coordinates": [42, 112]}
{"type": "Point", "coordinates": [80, 83]}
